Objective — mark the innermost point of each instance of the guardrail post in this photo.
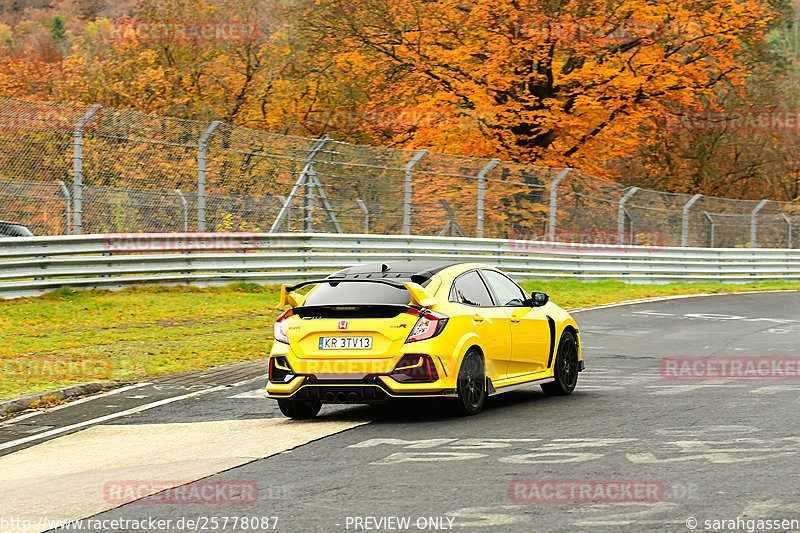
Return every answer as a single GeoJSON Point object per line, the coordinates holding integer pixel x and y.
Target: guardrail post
{"type": "Point", "coordinates": [68, 201]}
{"type": "Point", "coordinates": [481, 192]}
{"type": "Point", "coordinates": [754, 222]}
{"type": "Point", "coordinates": [364, 210]}
{"type": "Point", "coordinates": [710, 229]}
{"type": "Point", "coordinates": [622, 213]}
{"type": "Point", "coordinates": [201, 174]}
{"type": "Point", "coordinates": [685, 219]}
{"type": "Point", "coordinates": [789, 228]}
{"type": "Point", "coordinates": [407, 198]}
{"type": "Point", "coordinates": [307, 180]}
{"type": "Point", "coordinates": [551, 229]}
{"type": "Point", "coordinates": [185, 209]}
{"type": "Point", "coordinates": [77, 168]}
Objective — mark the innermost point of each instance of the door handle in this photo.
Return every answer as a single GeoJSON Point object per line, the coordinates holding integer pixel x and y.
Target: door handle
{"type": "Point", "coordinates": [478, 318]}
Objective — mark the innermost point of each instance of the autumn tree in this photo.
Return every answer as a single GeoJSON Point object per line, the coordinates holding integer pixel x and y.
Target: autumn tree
{"type": "Point", "coordinates": [556, 84]}
{"type": "Point", "coordinates": [742, 147]}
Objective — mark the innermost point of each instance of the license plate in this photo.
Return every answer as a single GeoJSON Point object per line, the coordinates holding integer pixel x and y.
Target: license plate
{"type": "Point", "coordinates": [345, 343]}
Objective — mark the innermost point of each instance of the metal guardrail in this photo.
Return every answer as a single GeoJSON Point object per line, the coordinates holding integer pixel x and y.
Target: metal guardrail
{"type": "Point", "coordinates": [32, 265]}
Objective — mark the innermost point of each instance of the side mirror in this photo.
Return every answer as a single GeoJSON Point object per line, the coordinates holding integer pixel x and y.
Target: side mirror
{"type": "Point", "coordinates": [538, 299]}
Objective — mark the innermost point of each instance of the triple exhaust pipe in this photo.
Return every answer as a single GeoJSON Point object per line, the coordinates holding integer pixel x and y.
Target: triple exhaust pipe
{"type": "Point", "coordinates": [342, 397]}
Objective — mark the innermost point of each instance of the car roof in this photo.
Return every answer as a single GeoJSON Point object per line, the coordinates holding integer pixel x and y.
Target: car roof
{"type": "Point", "coordinates": [418, 271]}
{"type": "Point", "coordinates": [12, 223]}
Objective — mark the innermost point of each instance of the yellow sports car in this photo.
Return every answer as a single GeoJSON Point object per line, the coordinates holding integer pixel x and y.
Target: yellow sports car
{"type": "Point", "coordinates": [371, 333]}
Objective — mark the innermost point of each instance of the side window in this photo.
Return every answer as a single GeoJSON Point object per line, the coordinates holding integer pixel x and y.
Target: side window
{"type": "Point", "coordinates": [469, 289]}
{"type": "Point", "coordinates": [508, 293]}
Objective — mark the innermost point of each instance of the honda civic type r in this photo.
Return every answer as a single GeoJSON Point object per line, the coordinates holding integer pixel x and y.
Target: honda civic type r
{"type": "Point", "coordinates": [372, 333]}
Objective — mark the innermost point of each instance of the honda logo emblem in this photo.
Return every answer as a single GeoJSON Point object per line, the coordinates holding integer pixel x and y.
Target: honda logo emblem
{"type": "Point", "coordinates": [344, 324]}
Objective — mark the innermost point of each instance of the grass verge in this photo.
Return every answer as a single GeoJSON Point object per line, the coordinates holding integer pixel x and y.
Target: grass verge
{"type": "Point", "coordinates": [67, 337]}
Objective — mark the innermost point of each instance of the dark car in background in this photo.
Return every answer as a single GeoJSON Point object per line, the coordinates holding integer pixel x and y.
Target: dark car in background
{"type": "Point", "coordinates": [13, 229]}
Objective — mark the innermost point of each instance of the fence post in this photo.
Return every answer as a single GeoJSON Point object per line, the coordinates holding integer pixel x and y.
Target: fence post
{"type": "Point", "coordinates": [312, 182]}
{"type": "Point", "coordinates": [77, 168]}
{"type": "Point", "coordinates": [407, 198]}
{"type": "Point", "coordinates": [68, 202]}
{"type": "Point", "coordinates": [201, 174]}
{"type": "Point", "coordinates": [308, 211]}
{"type": "Point", "coordinates": [710, 229]}
{"type": "Point", "coordinates": [754, 222]}
{"type": "Point", "coordinates": [288, 213]}
{"type": "Point", "coordinates": [452, 226]}
{"type": "Point", "coordinates": [551, 230]}
{"type": "Point", "coordinates": [364, 210]}
{"type": "Point", "coordinates": [185, 209]}
{"type": "Point", "coordinates": [789, 228]}
{"type": "Point", "coordinates": [685, 219]}
{"type": "Point", "coordinates": [481, 192]}
{"type": "Point", "coordinates": [306, 180]}
{"type": "Point", "coordinates": [622, 212]}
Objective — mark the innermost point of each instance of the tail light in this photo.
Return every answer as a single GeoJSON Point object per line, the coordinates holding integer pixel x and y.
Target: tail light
{"type": "Point", "coordinates": [415, 368]}
{"type": "Point", "coordinates": [279, 370]}
{"type": "Point", "coordinates": [281, 334]}
{"type": "Point", "coordinates": [429, 324]}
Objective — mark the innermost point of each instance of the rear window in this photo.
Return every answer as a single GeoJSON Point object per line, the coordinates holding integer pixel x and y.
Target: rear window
{"type": "Point", "coordinates": [357, 293]}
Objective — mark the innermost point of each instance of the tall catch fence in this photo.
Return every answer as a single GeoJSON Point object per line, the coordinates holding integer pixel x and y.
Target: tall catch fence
{"type": "Point", "coordinates": [88, 169]}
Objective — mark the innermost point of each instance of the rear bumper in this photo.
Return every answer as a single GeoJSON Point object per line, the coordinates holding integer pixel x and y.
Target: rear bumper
{"type": "Point", "coordinates": [353, 392]}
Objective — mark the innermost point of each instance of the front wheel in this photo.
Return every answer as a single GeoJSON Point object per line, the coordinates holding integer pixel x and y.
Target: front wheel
{"type": "Point", "coordinates": [565, 367]}
{"type": "Point", "coordinates": [471, 384]}
{"type": "Point", "coordinates": [299, 409]}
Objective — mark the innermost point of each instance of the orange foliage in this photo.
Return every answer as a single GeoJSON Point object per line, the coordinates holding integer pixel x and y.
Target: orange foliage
{"type": "Point", "coordinates": [565, 85]}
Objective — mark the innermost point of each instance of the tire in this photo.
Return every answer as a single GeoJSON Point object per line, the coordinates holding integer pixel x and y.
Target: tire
{"type": "Point", "coordinates": [471, 384]}
{"type": "Point", "coordinates": [299, 409]}
{"type": "Point", "coordinates": [565, 367]}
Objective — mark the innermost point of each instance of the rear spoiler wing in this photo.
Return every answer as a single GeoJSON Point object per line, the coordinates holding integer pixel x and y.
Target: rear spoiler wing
{"type": "Point", "coordinates": [419, 296]}
{"type": "Point", "coordinates": [288, 297]}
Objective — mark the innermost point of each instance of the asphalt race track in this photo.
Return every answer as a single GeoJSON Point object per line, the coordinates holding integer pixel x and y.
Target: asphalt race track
{"type": "Point", "coordinates": [709, 449]}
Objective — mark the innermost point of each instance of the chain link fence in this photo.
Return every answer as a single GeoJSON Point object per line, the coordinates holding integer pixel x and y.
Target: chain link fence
{"type": "Point", "coordinates": [88, 169]}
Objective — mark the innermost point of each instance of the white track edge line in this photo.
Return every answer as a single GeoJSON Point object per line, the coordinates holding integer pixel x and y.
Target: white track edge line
{"type": "Point", "coordinates": [106, 418]}
{"type": "Point", "coordinates": [68, 403]}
